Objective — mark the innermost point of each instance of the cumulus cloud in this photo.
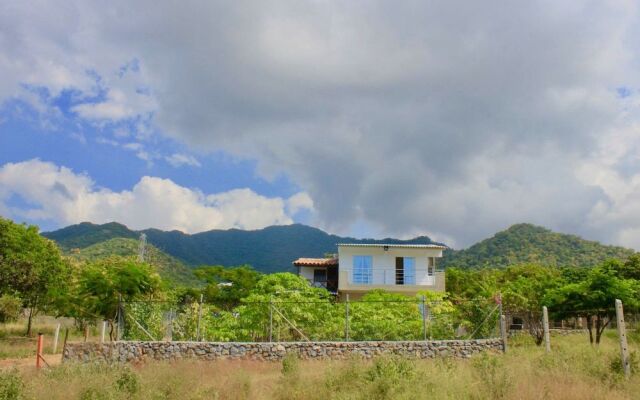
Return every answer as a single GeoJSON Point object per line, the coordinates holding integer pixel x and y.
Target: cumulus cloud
{"type": "Point", "coordinates": [445, 117]}
{"type": "Point", "coordinates": [56, 193]}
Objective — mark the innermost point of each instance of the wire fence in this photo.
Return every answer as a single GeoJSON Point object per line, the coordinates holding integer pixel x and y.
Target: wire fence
{"type": "Point", "coordinates": [284, 321]}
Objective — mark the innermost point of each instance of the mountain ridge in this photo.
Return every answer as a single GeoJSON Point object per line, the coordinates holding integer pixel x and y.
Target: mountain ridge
{"type": "Point", "coordinates": [272, 249]}
{"type": "Point", "coordinates": [269, 249]}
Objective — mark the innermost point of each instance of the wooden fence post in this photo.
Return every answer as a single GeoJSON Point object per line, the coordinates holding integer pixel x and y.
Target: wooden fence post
{"type": "Point", "coordinates": [39, 352]}
{"type": "Point", "coordinates": [424, 319]}
{"type": "Point", "coordinates": [503, 332]}
{"type": "Point", "coordinates": [622, 334]}
{"type": "Point", "coordinates": [545, 326]}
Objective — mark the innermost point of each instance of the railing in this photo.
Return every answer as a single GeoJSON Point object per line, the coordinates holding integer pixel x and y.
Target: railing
{"type": "Point", "coordinates": [387, 277]}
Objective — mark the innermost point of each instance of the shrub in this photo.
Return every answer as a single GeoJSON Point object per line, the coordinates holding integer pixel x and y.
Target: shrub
{"type": "Point", "coordinates": [128, 381]}
{"type": "Point", "coordinates": [11, 385]}
{"type": "Point", "coordinates": [290, 364]}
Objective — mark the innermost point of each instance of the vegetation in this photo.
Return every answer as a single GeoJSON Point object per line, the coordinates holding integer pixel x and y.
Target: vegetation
{"type": "Point", "coordinates": [572, 371]}
{"type": "Point", "coordinates": [170, 269]}
{"type": "Point", "coordinates": [31, 268]}
{"type": "Point", "coordinates": [530, 244]}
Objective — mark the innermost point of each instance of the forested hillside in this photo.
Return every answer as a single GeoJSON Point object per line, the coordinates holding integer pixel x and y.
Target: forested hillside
{"type": "Point", "coordinates": [526, 243]}
{"type": "Point", "coordinates": [168, 267]}
{"type": "Point", "coordinates": [271, 249]}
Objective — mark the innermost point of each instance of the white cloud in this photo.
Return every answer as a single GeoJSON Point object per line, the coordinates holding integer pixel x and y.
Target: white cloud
{"type": "Point", "coordinates": [447, 117]}
{"type": "Point", "coordinates": [58, 194]}
{"type": "Point", "coordinates": [179, 160]}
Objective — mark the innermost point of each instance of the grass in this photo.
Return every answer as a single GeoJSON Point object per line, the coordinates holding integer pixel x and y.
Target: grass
{"type": "Point", "coordinates": [574, 370]}
{"type": "Point", "coordinates": [15, 345]}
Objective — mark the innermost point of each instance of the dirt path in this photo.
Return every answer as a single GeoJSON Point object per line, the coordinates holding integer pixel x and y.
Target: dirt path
{"type": "Point", "coordinates": [27, 362]}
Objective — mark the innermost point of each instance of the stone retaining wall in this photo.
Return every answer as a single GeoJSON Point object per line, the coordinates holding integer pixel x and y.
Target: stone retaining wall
{"type": "Point", "coordinates": [139, 351]}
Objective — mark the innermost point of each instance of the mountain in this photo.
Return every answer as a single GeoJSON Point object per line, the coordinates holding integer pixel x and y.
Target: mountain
{"type": "Point", "coordinates": [168, 267]}
{"type": "Point", "coordinates": [526, 243]}
{"type": "Point", "coordinates": [271, 249]}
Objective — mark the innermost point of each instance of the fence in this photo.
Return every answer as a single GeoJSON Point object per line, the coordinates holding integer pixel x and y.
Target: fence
{"type": "Point", "coordinates": [292, 321]}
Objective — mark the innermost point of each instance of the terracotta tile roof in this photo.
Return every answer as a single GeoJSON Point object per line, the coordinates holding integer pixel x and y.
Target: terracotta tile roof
{"type": "Point", "coordinates": [316, 262]}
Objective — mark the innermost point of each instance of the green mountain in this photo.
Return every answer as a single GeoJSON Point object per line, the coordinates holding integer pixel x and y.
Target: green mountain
{"type": "Point", "coordinates": [271, 249]}
{"type": "Point", "coordinates": [168, 267]}
{"type": "Point", "coordinates": [526, 243]}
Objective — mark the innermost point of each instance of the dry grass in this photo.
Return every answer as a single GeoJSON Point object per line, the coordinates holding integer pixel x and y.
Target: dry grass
{"type": "Point", "coordinates": [573, 371]}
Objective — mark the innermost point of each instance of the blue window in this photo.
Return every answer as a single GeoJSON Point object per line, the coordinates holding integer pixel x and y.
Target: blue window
{"type": "Point", "coordinates": [362, 270]}
{"type": "Point", "coordinates": [409, 271]}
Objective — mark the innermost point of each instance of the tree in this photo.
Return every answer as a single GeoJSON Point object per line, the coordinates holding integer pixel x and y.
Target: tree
{"type": "Point", "coordinates": [523, 292]}
{"type": "Point", "coordinates": [103, 282]}
{"type": "Point", "coordinates": [226, 286]}
{"type": "Point", "coordinates": [32, 268]}
{"type": "Point", "coordinates": [593, 298]}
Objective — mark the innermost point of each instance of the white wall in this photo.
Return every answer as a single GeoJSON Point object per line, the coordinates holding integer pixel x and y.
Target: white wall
{"type": "Point", "coordinates": [384, 262]}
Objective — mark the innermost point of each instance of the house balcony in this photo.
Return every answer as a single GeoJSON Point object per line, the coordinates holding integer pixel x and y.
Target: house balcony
{"type": "Point", "coordinates": [386, 279]}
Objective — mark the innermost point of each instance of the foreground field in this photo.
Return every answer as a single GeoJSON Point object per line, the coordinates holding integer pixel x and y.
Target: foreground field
{"type": "Point", "coordinates": [573, 371]}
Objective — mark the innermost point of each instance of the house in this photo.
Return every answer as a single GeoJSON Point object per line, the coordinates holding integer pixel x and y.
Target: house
{"type": "Point", "coordinates": [361, 267]}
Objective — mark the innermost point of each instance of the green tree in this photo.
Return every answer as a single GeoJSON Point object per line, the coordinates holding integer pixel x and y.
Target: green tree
{"type": "Point", "coordinates": [594, 298]}
{"type": "Point", "coordinates": [103, 282]}
{"type": "Point", "coordinates": [226, 286]}
{"type": "Point", "coordinates": [523, 292]}
{"type": "Point", "coordinates": [32, 268]}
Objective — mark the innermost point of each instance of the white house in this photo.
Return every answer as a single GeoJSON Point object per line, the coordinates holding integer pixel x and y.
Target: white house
{"type": "Point", "coordinates": [361, 267]}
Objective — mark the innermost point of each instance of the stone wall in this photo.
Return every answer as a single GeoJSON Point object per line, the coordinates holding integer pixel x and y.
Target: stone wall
{"type": "Point", "coordinates": [139, 351]}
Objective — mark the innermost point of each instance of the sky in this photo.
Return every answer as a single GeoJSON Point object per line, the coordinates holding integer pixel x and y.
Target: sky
{"type": "Point", "coordinates": [375, 119]}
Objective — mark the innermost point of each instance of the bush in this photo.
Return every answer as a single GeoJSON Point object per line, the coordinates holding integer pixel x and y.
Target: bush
{"type": "Point", "coordinates": [290, 364]}
{"type": "Point", "coordinates": [10, 308]}
{"type": "Point", "coordinates": [128, 381]}
{"type": "Point", "coordinates": [11, 385]}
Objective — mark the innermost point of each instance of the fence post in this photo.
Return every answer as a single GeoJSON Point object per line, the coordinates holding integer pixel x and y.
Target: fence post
{"type": "Point", "coordinates": [503, 332]}
{"type": "Point", "coordinates": [346, 318]}
{"type": "Point", "coordinates": [120, 319]}
{"type": "Point", "coordinates": [270, 319]}
{"type": "Point", "coordinates": [39, 352]}
{"type": "Point", "coordinates": [55, 338]}
{"type": "Point", "coordinates": [199, 318]}
{"type": "Point", "coordinates": [545, 326]}
{"type": "Point", "coordinates": [102, 331]}
{"type": "Point", "coordinates": [622, 334]}
{"type": "Point", "coordinates": [86, 332]}
{"type": "Point", "coordinates": [424, 319]}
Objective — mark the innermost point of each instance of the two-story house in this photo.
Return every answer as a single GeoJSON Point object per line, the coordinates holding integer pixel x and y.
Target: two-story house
{"type": "Point", "coordinates": [361, 267]}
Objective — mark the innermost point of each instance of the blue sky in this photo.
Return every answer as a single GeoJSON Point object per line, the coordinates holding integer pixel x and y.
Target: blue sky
{"type": "Point", "coordinates": [446, 119]}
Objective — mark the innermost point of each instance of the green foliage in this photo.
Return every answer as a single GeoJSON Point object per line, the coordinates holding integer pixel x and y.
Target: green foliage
{"type": "Point", "coordinates": [11, 385]}
{"type": "Point", "coordinates": [31, 267]}
{"type": "Point", "coordinates": [173, 271]}
{"type": "Point", "coordinates": [102, 282]}
{"type": "Point", "coordinates": [530, 244]}
{"type": "Point", "coordinates": [594, 298]}
{"type": "Point", "coordinates": [10, 307]}
{"type": "Point", "coordinates": [226, 286]}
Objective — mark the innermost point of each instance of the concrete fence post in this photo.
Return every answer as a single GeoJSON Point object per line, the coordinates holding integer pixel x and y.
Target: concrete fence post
{"type": "Point", "coordinates": [545, 327]}
{"type": "Point", "coordinates": [56, 335]}
{"type": "Point", "coordinates": [346, 318]}
{"type": "Point", "coordinates": [199, 318]}
{"type": "Point", "coordinates": [622, 334]}
{"type": "Point", "coordinates": [503, 332]}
